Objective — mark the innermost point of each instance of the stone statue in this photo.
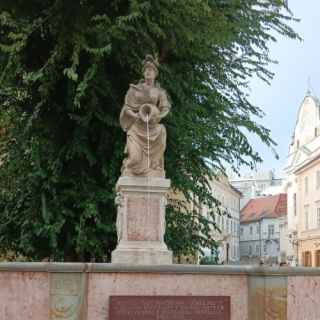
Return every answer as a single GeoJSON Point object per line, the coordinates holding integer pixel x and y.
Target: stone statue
{"type": "Point", "coordinates": [146, 103]}
{"type": "Point", "coordinates": [142, 188]}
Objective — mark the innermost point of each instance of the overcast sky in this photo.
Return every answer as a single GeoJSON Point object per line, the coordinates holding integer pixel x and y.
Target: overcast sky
{"type": "Point", "coordinates": [298, 61]}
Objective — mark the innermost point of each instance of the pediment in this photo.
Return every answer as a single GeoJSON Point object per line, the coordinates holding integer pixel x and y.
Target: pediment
{"type": "Point", "coordinates": [307, 121]}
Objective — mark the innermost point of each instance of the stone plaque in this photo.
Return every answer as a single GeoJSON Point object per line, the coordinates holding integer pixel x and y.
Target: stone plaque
{"type": "Point", "coordinates": [66, 295]}
{"type": "Point", "coordinates": [169, 308]}
{"type": "Point", "coordinates": [268, 298]}
{"type": "Point", "coordinates": [143, 219]}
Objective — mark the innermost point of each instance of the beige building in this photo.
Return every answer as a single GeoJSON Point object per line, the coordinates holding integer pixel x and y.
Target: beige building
{"type": "Point", "coordinates": [229, 224]}
{"type": "Point", "coordinates": [304, 147]}
{"type": "Point", "coordinates": [308, 212]}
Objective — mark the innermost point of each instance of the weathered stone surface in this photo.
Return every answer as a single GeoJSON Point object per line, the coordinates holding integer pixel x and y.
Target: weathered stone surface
{"type": "Point", "coordinates": [143, 214]}
{"type": "Point", "coordinates": [304, 298]}
{"type": "Point", "coordinates": [67, 296]}
{"type": "Point", "coordinates": [25, 288]}
{"type": "Point", "coordinates": [24, 296]}
{"type": "Point", "coordinates": [144, 107]}
{"type": "Point", "coordinates": [141, 254]}
{"type": "Point", "coordinates": [268, 298]}
{"type": "Point", "coordinates": [102, 286]}
{"type": "Point", "coordinates": [169, 308]}
{"type": "Point", "coordinates": [141, 221]}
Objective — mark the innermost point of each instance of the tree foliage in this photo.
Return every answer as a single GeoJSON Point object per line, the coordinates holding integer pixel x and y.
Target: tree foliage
{"type": "Point", "coordinates": [65, 67]}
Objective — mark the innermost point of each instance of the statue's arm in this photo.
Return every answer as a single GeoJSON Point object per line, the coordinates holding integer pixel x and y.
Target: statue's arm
{"type": "Point", "coordinates": [128, 102]}
{"type": "Point", "coordinates": [164, 113]}
{"type": "Point", "coordinates": [164, 104]}
{"type": "Point", "coordinates": [127, 114]}
{"type": "Point", "coordinates": [130, 113]}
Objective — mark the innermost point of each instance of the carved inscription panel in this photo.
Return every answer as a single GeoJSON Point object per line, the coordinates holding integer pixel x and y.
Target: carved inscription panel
{"type": "Point", "coordinates": [66, 295]}
{"type": "Point", "coordinates": [169, 308]}
{"type": "Point", "coordinates": [143, 219]}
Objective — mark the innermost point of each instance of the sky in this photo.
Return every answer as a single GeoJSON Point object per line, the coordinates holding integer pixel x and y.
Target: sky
{"type": "Point", "coordinates": [298, 61]}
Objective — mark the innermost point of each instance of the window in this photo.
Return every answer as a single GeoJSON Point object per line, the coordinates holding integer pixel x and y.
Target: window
{"type": "Point", "coordinates": [257, 249]}
{"type": "Point", "coordinates": [270, 230]}
{"type": "Point", "coordinates": [241, 231]}
{"type": "Point", "coordinates": [251, 230]}
{"type": "Point", "coordinates": [306, 217]}
{"type": "Point", "coordinates": [306, 185]}
{"type": "Point", "coordinates": [318, 180]}
{"type": "Point", "coordinates": [258, 228]}
{"type": "Point", "coordinates": [295, 204]}
{"type": "Point", "coordinates": [306, 259]}
{"type": "Point", "coordinates": [265, 248]}
{"type": "Point", "coordinates": [318, 258]}
{"type": "Point", "coordinates": [250, 250]}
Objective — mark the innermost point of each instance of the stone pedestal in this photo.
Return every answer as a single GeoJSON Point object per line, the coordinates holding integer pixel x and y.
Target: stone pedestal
{"type": "Point", "coordinates": [141, 221]}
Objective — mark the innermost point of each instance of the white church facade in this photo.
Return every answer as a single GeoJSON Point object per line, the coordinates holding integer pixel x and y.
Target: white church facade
{"type": "Point", "coordinates": [305, 146]}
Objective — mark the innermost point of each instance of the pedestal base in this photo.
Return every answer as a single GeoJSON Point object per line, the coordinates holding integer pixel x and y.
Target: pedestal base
{"type": "Point", "coordinates": [142, 252]}
{"type": "Point", "coordinates": [141, 221]}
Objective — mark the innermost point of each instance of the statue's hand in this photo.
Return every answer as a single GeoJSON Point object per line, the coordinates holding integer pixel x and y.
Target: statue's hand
{"type": "Point", "coordinates": [134, 115]}
{"type": "Point", "coordinates": [156, 118]}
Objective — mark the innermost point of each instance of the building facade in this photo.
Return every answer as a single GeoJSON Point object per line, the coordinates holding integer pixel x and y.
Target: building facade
{"type": "Point", "coordinates": [260, 229]}
{"type": "Point", "coordinates": [284, 238]}
{"type": "Point", "coordinates": [229, 223]}
{"type": "Point", "coordinates": [304, 147]}
{"type": "Point", "coordinates": [227, 236]}
{"type": "Point", "coordinates": [308, 208]}
{"type": "Point", "coordinates": [254, 185]}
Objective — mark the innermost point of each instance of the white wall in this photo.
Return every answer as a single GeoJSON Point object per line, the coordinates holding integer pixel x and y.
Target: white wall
{"type": "Point", "coordinates": [304, 144]}
{"type": "Point", "coordinates": [308, 120]}
{"type": "Point", "coordinates": [260, 242]}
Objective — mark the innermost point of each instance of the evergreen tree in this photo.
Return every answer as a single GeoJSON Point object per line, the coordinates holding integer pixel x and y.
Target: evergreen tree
{"type": "Point", "coordinates": [64, 69]}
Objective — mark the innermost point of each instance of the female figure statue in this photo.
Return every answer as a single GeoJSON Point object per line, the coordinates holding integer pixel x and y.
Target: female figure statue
{"type": "Point", "coordinates": [145, 105]}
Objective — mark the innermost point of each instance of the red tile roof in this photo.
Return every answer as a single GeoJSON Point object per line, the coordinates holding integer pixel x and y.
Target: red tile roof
{"type": "Point", "coordinates": [266, 207]}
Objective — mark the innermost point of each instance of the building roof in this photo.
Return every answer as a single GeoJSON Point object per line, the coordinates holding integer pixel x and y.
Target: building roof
{"type": "Point", "coordinates": [236, 190]}
{"type": "Point", "coordinates": [266, 207]}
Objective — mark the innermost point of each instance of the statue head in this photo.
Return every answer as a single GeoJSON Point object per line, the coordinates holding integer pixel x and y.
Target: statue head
{"type": "Point", "coordinates": [150, 67]}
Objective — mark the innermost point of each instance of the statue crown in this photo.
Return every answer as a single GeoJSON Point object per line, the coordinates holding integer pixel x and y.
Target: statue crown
{"type": "Point", "coordinates": [150, 61]}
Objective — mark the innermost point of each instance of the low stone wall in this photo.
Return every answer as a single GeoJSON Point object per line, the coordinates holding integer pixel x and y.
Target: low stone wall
{"type": "Point", "coordinates": [76, 291]}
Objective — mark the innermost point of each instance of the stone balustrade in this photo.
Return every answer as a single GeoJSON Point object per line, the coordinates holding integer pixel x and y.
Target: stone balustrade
{"type": "Point", "coordinates": [81, 291]}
